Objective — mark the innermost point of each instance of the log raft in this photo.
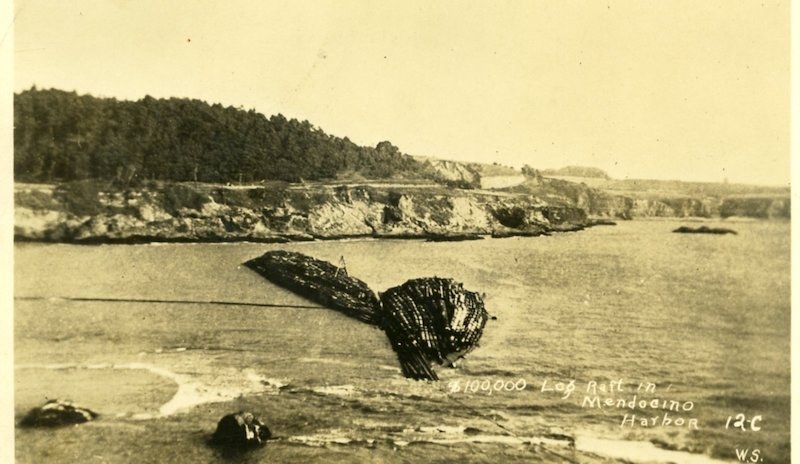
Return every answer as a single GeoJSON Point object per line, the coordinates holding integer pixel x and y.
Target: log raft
{"type": "Point", "coordinates": [432, 319]}
{"type": "Point", "coordinates": [426, 320]}
{"type": "Point", "coordinates": [319, 281]}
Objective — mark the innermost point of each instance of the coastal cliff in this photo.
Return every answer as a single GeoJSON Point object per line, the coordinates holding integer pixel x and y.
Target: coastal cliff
{"type": "Point", "coordinates": [629, 199]}
{"type": "Point", "coordinates": [86, 212]}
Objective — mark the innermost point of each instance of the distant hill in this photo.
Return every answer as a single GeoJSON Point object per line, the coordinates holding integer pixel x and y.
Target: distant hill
{"type": "Point", "coordinates": [577, 171]}
{"type": "Point", "coordinates": [474, 175]}
{"type": "Point", "coordinates": [653, 188]}
{"type": "Point", "coordinates": [63, 136]}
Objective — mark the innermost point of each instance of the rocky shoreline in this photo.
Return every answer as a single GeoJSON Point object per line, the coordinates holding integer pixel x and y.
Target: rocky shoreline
{"type": "Point", "coordinates": [207, 213]}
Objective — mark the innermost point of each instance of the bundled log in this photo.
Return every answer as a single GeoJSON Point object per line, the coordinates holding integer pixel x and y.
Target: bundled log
{"type": "Point", "coordinates": [427, 320]}
{"type": "Point", "coordinates": [318, 281]}
{"type": "Point", "coordinates": [432, 319]}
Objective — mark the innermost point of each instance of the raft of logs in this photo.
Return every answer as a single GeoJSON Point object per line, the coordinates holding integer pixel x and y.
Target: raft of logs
{"type": "Point", "coordinates": [431, 319]}
{"type": "Point", "coordinates": [319, 281]}
{"type": "Point", "coordinates": [427, 320]}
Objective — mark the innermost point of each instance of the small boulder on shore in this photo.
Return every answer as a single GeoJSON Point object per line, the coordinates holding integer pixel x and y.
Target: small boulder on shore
{"type": "Point", "coordinates": [56, 413]}
{"type": "Point", "coordinates": [240, 430]}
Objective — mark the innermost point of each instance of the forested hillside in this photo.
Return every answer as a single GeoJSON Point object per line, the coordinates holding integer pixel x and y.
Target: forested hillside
{"type": "Point", "coordinates": [63, 136]}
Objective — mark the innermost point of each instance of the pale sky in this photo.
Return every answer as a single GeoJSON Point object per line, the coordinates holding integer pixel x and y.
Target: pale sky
{"type": "Point", "coordinates": [692, 90]}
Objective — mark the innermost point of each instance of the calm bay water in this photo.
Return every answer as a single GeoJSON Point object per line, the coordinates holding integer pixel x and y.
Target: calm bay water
{"type": "Point", "coordinates": [704, 318]}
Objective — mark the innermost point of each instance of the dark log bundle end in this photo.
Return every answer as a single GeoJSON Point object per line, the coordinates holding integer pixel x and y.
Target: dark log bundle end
{"type": "Point", "coordinates": [431, 320]}
{"type": "Point", "coordinates": [319, 281]}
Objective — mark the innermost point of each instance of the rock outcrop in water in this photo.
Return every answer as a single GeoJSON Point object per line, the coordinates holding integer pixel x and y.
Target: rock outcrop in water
{"type": "Point", "coordinates": [56, 413]}
{"type": "Point", "coordinates": [196, 213]}
{"type": "Point", "coordinates": [427, 320]}
{"type": "Point", "coordinates": [704, 230]}
{"type": "Point", "coordinates": [240, 430]}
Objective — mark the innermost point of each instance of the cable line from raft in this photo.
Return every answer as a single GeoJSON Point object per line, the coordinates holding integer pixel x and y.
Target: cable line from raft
{"type": "Point", "coordinates": [146, 300]}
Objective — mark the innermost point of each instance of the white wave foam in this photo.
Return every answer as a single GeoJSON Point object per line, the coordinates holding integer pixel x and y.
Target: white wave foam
{"type": "Point", "coordinates": [338, 362]}
{"type": "Point", "coordinates": [494, 439]}
{"type": "Point", "coordinates": [54, 366]}
{"type": "Point", "coordinates": [333, 437]}
{"type": "Point", "coordinates": [633, 451]}
{"type": "Point", "coordinates": [190, 392]}
{"type": "Point", "coordinates": [258, 381]}
{"type": "Point", "coordinates": [98, 366]}
{"type": "Point", "coordinates": [443, 429]}
{"type": "Point", "coordinates": [389, 368]}
{"type": "Point", "coordinates": [449, 435]}
{"type": "Point", "coordinates": [337, 390]}
{"type": "Point", "coordinates": [639, 451]}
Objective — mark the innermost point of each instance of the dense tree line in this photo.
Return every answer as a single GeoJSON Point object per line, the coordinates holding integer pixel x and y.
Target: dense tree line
{"type": "Point", "coordinates": [63, 136]}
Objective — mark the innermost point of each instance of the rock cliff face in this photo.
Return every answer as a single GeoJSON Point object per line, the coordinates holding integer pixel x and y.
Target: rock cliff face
{"type": "Point", "coordinates": [86, 212]}
{"type": "Point", "coordinates": [676, 207]}
{"type": "Point", "coordinates": [707, 207]}
{"type": "Point", "coordinates": [601, 196]}
{"type": "Point", "coordinates": [762, 208]}
{"type": "Point", "coordinates": [455, 171]}
{"type": "Point", "coordinates": [204, 213]}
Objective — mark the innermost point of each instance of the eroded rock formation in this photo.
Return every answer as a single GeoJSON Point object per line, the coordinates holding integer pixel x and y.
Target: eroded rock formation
{"type": "Point", "coordinates": [56, 413]}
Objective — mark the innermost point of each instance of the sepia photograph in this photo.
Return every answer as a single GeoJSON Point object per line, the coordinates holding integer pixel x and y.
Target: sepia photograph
{"type": "Point", "coordinates": [348, 231]}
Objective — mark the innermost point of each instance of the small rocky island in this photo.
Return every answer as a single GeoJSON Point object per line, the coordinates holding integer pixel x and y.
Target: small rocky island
{"type": "Point", "coordinates": [704, 230]}
{"type": "Point", "coordinates": [427, 320]}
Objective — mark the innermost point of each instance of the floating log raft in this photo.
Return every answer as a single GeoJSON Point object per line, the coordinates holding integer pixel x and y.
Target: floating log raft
{"type": "Point", "coordinates": [318, 281]}
{"type": "Point", "coordinates": [427, 320]}
{"type": "Point", "coordinates": [432, 319]}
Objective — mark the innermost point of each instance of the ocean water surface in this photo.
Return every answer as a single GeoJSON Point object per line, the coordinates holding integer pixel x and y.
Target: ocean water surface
{"type": "Point", "coordinates": [696, 326]}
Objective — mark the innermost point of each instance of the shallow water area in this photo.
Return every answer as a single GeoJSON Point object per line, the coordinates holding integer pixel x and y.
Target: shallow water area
{"type": "Point", "coordinates": [704, 318]}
